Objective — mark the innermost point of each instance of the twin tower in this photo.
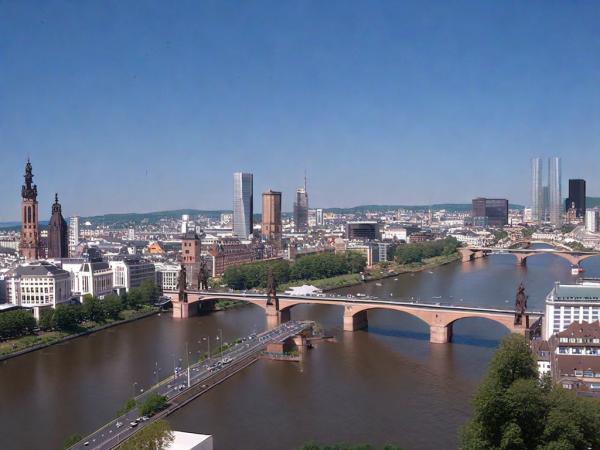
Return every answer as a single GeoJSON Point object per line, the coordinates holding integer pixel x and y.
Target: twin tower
{"type": "Point", "coordinates": [58, 237]}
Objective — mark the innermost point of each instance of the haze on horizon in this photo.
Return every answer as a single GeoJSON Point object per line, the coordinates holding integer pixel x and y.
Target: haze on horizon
{"type": "Point", "coordinates": [136, 108]}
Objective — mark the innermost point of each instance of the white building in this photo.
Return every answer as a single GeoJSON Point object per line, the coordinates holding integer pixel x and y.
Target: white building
{"type": "Point", "coordinates": [591, 220]}
{"type": "Point", "coordinates": [73, 234]}
{"type": "Point", "coordinates": [167, 276]}
{"type": "Point", "coordinates": [190, 441]}
{"type": "Point", "coordinates": [185, 223]}
{"type": "Point", "coordinates": [38, 284]}
{"type": "Point", "coordinates": [131, 271]}
{"type": "Point", "coordinates": [93, 278]}
{"type": "Point", "coordinates": [570, 303]}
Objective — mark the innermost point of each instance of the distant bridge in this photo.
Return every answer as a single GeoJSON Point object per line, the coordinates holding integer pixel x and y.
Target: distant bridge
{"type": "Point", "coordinates": [440, 318]}
{"type": "Point", "coordinates": [575, 257]}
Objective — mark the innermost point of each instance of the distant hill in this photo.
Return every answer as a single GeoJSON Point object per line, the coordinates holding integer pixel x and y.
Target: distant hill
{"type": "Point", "coordinates": [452, 207]}
{"type": "Point", "coordinates": [592, 202]}
{"type": "Point", "coordinates": [133, 218]}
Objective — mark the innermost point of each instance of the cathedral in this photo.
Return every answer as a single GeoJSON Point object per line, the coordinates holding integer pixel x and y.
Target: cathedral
{"type": "Point", "coordinates": [58, 234]}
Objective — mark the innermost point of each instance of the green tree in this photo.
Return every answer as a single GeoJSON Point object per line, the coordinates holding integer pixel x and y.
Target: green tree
{"type": "Point", "coordinates": [149, 291]}
{"type": "Point", "coordinates": [46, 317]}
{"type": "Point", "coordinates": [153, 404]}
{"type": "Point", "coordinates": [72, 440]}
{"type": "Point", "coordinates": [67, 317]}
{"type": "Point", "coordinates": [112, 306]}
{"type": "Point", "coordinates": [92, 309]}
{"type": "Point", "coordinates": [155, 436]}
{"type": "Point", "coordinates": [128, 406]}
{"type": "Point", "coordinates": [16, 323]}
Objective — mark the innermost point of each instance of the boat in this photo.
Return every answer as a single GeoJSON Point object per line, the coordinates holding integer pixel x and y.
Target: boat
{"type": "Point", "coordinates": [395, 279]}
{"type": "Point", "coordinates": [378, 284]}
{"type": "Point", "coordinates": [437, 297]}
{"type": "Point", "coordinates": [576, 270]}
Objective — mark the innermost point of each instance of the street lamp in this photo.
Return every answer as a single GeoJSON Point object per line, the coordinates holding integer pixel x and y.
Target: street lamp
{"type": "Point", "coordinates": [134, 385]}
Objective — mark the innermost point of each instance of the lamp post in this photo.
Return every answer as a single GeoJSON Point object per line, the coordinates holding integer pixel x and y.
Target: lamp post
{"type": "Point", "coordinates": [134, 385]}
{"type": "Point", "coordinates": [187, 355]}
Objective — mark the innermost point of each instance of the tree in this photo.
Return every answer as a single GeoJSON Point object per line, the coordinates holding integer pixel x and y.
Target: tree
{"type": "Point", "coordinates": [67, 317]}
{"type": "Point", "coordinates": [153, 404]}
{"type": "Point", "coordinates": [72, 440]}
{"type": "Point", "coordinates": [155, 436]}
{"type": "Point", "coordinates": [16, 323]}
{"type": "Point", "coordinates": [92, 309]}
{"type": "Point", "coordinates": [128, 406]}
{"type": "Point", "coordinates": [149, 292]}
{"type": "Point", "coordinates": [112, 306]}
{"type": "Point", "coordinates": [45, 321]}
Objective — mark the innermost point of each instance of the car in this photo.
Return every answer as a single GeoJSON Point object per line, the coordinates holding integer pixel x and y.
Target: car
{"type": "Point", "coordinates": [133, 424]}
{"type": "Point", "coordinates": [144, 418]}
{"type": "Point", "coordinates": [86, 443]}
{"type": "Point", "coordinates": [204, 386]}
{"type": "Point", "coordinates": [119, 424]}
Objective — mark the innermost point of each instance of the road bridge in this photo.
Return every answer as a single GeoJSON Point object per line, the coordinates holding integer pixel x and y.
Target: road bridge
{"type": "Point", "coordinates": [575, 257]}
{"type": "Point", "coordinates": [440, 318]}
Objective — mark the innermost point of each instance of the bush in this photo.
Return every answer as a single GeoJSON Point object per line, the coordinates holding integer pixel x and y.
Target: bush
{"type": "Point", "coordinates": [415, 253]}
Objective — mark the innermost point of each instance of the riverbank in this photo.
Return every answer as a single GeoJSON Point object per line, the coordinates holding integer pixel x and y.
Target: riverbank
{"type": "Point", "coordinates": [15, 347]}
{"type": "Point", "coordinates": [377, 272]}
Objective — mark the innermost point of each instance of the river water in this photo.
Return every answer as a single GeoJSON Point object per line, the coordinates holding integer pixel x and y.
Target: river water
{"type": "Point", "coordinates": [387, 384]}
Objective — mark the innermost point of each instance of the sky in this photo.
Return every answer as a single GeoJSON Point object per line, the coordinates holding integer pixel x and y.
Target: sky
{"type": "Point", "coordinates": [134, 106]}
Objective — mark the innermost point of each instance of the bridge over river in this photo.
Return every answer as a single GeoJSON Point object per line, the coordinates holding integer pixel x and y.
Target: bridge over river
{"type": "Point", "coordinates": [439, 317]}
{"type": "Point", "coordinates": [575, 257]}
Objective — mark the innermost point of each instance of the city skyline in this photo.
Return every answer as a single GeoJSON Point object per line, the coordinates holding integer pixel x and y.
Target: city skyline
{"type": "Point", "coordinates": [431, 95]}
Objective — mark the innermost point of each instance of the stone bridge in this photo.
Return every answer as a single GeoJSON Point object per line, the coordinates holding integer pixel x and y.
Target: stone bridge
{"type": "Point", "coordinates": [521, 254]}
{"type": "Point", "coordinates": [439, 318]}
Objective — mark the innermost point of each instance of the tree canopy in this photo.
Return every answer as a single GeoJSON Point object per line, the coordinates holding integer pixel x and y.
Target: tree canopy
{"type": "Point", "coordinates": [417, 252]}
{"type": "Point", "coordinates": [155, 436]}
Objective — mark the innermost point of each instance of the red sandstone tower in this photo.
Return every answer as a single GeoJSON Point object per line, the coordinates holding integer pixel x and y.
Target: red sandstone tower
{"type": "Point", "coordinates": [30, 241]}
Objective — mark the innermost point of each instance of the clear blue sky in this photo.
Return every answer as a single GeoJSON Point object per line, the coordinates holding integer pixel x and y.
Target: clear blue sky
{"type": "Point", "coordinates": [141, 106]}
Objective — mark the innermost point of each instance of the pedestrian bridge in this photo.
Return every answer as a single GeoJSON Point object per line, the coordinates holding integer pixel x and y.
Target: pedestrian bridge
{"type": "Point", "coordinates": [440, 318]}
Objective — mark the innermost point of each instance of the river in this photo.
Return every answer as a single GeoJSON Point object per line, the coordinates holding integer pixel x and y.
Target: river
{"type": "Point", "coordinates": [387, 384]}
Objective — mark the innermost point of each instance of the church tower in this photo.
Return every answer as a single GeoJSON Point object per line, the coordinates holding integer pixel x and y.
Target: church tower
{"type": "Point", "coordinates": [30, 239]}
{"type": "Point", "coordinates": [58, 237]}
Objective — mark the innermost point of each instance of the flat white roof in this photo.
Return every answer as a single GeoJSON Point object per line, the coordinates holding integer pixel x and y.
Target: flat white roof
{"type": "Point", "coordinates": [191, 441]}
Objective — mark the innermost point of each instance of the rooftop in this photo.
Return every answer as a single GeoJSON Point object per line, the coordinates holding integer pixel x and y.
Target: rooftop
{"type": "Point", "coordinates": [577, 292]}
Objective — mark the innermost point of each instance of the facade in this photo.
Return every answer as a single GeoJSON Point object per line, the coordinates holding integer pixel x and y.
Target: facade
{"type": "Point", "coordinates": [58, 233]}
{"type": "Point", "coordinates": [185, 223]}
{"type": "Point", "coordinates": [243, 207]}
{"type": "Point", "coordinates": [271, 228]}
{"type": "Point", "coordinates": [369, 250]}
{"type": "Point", "coordinates": [93, 278]}
{"type": "Point", "coordinates": [73, 234]}
{"type": "Point", "coordinates": [537, 191]}
{"type": "Point", "coordinates": [301, 210]}
{"type": "Point", "coordinates": [571, 303]}
{"type": "Point", "coordinates": [228, 252]}
{"type": "Point", "coordinates": [320, 221]}
{"type": "Point", "coordinates": [167, 276]}
{"type": "Point", "coordinates": [30, 237]}
{"type": "Point", "coordinates": [312, 218]}
{"type": "Point", "coordinates": [363, 231]}
{"type": "Point", "coordinates": [37, 285]}
{"type": "Point", "coordinates": [576, 197]}
{"type": "Point", "coordinates": [554, 191]}
{"type": "Point", "coordinates": [190, 248]}
{"type": "Point", "coordinates": [131, 271]}
{"type": "Point", "coordinates": [491, 212]}
{"type": "Point", "coordinates": [591, 220]}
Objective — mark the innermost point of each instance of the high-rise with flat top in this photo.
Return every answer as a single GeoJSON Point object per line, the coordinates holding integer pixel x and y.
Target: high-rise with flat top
{"type": "Point", "coordinates": [301, 210]}
{"type": "Point", "coordinates": [554, 191]}
{"type": "Point", "coordinates": [243, 207]}
{"type": "Point", "coordinates": [271, 217]}
{"type": "Point", "coordinates": [30, 238]}
{"type": "Point", "coordinates": [537, 190]}
{"type": "Point", "coordinates": [576, 197]}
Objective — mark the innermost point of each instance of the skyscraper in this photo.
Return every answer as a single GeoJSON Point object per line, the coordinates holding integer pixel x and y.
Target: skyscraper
{"type": "Point", "coordinates": [537, 191]}
{"type": "Point", "coordinates": [576, 197]}
{"type": "Point", "coordinates": [30, 239]}
{"type": "Point", "coordinates": [301, 210]}
{"type": "Point", "coordinates": [491, 212]}
{"type": "Point", "coordinates": [73, 234]}
{"type": "Point", "coordinates": [58, 236]}
{"type": "Point", "coordinates": [271, 217]}
{"type": "Point", "coordinates": [554, 191]}
{"type": "Point", "coordinates": [243, 207]}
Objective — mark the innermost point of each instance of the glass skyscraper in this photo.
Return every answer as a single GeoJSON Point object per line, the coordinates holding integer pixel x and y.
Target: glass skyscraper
{"type": "Point", "coordinates": [301, 210]}
{"type": "Point", "coordinates": [554, 191]}
{"type": "Point", "coordinates": [243, 207]}
{"type": "Point", "coordinates": [537, 191]}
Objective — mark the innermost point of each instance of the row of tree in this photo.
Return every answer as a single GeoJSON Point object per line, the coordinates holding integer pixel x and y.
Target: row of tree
{"type": "Point", "coordinates": [514, 409]}
{"type": "Point", "coordinates": [69, 317]}
{"type": "Point", "coordinates": [417, 252]}
{"type": "Point", "coordinates": [310, 267]}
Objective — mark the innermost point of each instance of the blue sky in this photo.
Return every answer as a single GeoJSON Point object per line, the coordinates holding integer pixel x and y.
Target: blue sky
{"type": "Point", "coordinates": [141, 106]}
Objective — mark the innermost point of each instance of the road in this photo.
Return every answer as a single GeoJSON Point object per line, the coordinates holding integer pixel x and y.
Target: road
{"type": "Point", "coordinates": [202, 377]}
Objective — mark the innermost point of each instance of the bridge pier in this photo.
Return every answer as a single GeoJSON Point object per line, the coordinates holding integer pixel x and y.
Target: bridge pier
{"type": "Point", "coordinates": [276, 318]}
{"type": "Point", "coordinates": [183, 310]}
{"type": "Point", "coordinates": [354, 322]}
{"type": "Point", "coordinates": [521, 259]}
{"type": "Point", "coordinates": [440, 334]}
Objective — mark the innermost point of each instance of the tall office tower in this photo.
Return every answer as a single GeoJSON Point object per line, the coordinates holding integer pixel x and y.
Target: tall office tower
{"type": "Point", "coordinates": [58, 234]}
{"type": "Point", "coordinates": [73, 234]}
{"type": "Point", "coordinates": [545, 204]}
{"type": "Point", "coordinates": [591, 220]}
{"type": "Point", "coordinates": [537, 191]}
{"type": "Point", "coordinates": [271, 217]}
{"type": "Point", "coordinates": [30, 239]}
{"type": "Point", "coordinates": [554, 191]}
{"type": "Point", "coordinates": [491, 212]}
{"type": "Point", "coordinates": [243, 207]}
{"type": "Point", "coordinates": [576, 197]}
{"type": "Point", "coordinates": [301, 210]}
{"type": "Point", "coordinates": [185, 223]}
{"type": "Point", "coordinates": [319, 217]}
